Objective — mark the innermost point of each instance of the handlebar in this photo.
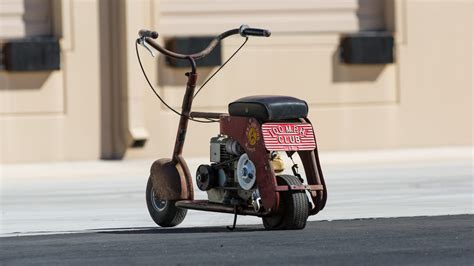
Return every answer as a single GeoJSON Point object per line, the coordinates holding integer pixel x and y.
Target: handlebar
{"type": "Point", "coordinates": [148, 34]}
{"type": "Point", "coordinates": [244, 30]}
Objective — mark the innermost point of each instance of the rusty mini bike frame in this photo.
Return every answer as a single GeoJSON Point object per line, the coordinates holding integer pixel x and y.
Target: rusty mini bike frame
{"type": "Point", "coordinates": [171, 177]}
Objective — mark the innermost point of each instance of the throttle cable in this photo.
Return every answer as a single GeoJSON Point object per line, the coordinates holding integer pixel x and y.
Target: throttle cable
{"type": "Point", "coordinates": [209, 120]}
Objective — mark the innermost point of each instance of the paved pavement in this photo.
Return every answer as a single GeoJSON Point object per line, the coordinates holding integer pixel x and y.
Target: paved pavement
{"type": "Point", "coordinates": [439, 240]}
{"type": "Point", "coordinates": [75, 196]}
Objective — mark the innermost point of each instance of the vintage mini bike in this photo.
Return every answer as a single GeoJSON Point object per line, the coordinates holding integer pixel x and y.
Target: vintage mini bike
{"type": "Point", "coordinates": [244, 176]}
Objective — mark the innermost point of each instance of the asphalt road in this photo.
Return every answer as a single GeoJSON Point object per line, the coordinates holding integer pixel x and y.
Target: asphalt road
{"type": "Point", "coordinates": [440, 240]}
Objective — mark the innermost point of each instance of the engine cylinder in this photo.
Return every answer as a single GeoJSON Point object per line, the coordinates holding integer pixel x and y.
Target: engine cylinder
{"type": "Point", "coordinates": [233, 147]}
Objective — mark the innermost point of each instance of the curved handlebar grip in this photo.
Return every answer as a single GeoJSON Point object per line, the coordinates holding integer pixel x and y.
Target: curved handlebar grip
{"type": "Point", "coordinates": [148, 34]}
{"type": "Point", "coordinates": [247, 31]}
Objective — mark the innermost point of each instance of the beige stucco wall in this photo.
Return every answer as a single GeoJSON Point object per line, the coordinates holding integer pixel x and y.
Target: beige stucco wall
{"type": "Point", "coordinates": [48, 116]}
{"type": "Point", "coordinates": [424, 99]}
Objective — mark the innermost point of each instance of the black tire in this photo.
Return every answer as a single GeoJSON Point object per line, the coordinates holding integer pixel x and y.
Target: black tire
{"type": "Point", "coordinates": [163, 212]}
{"type": "Point", "coordinates": [294, 207]}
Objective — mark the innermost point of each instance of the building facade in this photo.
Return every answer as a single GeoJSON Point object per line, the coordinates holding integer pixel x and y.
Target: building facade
{"type": "Point", "coordinates": [97, 104]}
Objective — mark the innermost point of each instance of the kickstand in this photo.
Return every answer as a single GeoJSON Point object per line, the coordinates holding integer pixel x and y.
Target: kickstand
{"type": "Point", "coordinates": [235, 219]}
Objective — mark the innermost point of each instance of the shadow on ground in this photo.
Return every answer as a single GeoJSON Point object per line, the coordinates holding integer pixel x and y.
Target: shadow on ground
{"type": "Point", "coordinates": [193, 230]}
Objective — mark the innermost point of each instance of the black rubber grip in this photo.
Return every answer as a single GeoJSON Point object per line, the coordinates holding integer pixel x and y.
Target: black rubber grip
{"type": "Point", "coordinates": [256, 32]}
{"type": "Point", "coordinates": [148, 34]}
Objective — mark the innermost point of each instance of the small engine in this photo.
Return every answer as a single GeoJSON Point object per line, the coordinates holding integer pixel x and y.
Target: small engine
{"type": "Point", "coordinates": [231, 176]}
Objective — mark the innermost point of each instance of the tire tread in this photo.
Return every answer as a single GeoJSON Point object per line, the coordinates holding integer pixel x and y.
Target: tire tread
{"type": "Point", "coordinates": [296, 207]}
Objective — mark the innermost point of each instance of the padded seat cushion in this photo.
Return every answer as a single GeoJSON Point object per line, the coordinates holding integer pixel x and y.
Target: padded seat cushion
{"type": "Point", "coordinates": [269, 107]}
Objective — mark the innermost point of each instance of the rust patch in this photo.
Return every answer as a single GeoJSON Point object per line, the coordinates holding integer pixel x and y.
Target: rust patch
{"type": "Point", "coordinates": [169, 180]}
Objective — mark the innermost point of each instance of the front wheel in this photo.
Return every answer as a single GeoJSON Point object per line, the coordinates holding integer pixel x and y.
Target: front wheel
{"type": "Point", "coordinates": [294, 207]}
{"type": "Point", "coordinates": [163, 212]}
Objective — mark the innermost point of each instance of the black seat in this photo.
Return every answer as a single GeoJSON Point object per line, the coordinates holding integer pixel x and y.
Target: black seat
{"type": "Point", "coordinates": [269, 107]}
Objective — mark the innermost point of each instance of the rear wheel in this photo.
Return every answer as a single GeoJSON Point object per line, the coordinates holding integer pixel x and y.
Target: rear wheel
{"type": "Point", "coordinates": [293, 210]}
{"type": "Point", "coordinates": [163, 212]}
